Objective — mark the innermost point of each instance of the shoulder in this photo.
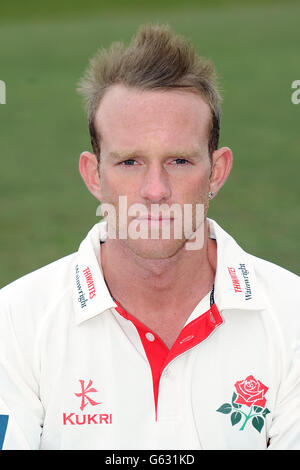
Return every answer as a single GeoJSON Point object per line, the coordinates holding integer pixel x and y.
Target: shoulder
{"type": "Point", "coordinates": [32, 295]}
{"type": "Point", "coordinates": [276, 280]}
{"type": "Point", "coordinates": [27, 303]}
{"type": "Point", "coordinates": [280, 289]}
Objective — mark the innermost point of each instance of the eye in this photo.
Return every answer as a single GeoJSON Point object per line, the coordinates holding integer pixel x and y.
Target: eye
{"type": "Point", "coordinates": [180, 161]}
{"type": "Point", "coordinates": [128, 162]}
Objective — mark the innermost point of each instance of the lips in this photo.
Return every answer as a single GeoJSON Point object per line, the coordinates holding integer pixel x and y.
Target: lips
{"type": "Point", "coordinates": [155, 219]}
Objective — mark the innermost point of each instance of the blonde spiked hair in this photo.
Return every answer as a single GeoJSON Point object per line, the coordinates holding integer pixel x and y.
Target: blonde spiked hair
{"type": "Point", "coordinates": [156, 58]}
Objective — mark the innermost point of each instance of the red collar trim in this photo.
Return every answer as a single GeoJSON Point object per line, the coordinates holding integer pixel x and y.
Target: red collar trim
{"type": "Point", "coordinates": [158, 355]}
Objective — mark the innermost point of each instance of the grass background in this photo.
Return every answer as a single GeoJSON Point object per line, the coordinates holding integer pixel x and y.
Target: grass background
{"type": "Point", "coordinates": [45, 209]}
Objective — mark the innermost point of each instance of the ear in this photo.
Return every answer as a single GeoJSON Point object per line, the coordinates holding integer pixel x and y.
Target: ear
{"type": "Point", "coordinates": [88, 168]}
{"type": "Point", "coordinates": [221, 166]}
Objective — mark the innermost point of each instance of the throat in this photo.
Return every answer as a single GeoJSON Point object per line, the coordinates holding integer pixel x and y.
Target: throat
{"type": "Point", "coordinates": [167, 328]}
{"type": "Point", "coordinates": [167, 324]}
{"type": "Point", "coordinates": [161, 294]}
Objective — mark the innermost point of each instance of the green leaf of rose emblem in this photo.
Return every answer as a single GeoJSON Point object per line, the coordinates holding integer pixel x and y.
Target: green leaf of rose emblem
{"type": "Point", "coordinates": [235, 417]}
{"type": "Point", "coordinates": [226, 408]}
{"type": "Point", "coordinates": [258, 423]}
{"type": "Point", "coordinates": [234, 397]}
{"type": "Point", "coordinates": [265, 412]}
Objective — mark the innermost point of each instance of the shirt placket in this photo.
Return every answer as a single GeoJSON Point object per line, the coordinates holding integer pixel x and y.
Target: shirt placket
{"type": "Point", "coordinates": [160, 357]}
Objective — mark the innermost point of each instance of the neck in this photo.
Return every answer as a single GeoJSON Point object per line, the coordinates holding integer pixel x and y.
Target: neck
{"type": "Point", "coordinates": [160, 283]}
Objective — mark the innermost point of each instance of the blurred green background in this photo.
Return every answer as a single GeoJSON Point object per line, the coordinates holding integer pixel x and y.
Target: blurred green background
{"type": "Point", "coordinates": [45, 209]}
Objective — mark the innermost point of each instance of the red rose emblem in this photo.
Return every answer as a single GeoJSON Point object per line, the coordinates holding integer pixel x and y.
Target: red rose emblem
{"type": "Point", "coordinates": [251, 392]}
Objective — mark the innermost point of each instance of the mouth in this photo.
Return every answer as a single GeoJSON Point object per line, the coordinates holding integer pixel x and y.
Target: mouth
{"type": "Point", "coordinates": [150, 218]}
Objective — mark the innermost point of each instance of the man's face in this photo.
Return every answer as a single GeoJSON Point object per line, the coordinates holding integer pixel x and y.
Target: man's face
{"type": "Point", "coordinates": [154, 150]}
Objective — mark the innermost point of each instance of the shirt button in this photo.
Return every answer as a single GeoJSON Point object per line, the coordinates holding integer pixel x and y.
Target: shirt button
{"type": "Point", "coordinates": [150, 336]}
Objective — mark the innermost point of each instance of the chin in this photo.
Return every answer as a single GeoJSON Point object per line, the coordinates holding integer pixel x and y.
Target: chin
{"type": "Point", "coordinates": [155, 249]}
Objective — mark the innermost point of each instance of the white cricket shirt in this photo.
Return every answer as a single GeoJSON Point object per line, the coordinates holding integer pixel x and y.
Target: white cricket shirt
{"type": "Point", "coordinates": [78, 372]}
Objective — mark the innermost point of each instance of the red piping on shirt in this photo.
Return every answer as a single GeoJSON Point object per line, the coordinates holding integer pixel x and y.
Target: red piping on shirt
{"type": "Point", "coordinates": [159, 356]}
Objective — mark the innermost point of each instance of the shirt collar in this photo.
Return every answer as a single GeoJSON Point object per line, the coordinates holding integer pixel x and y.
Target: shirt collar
{"type": "Point", "coordinates": [235, 284]}
{"type": "Point", "coordinates": [90, 292]}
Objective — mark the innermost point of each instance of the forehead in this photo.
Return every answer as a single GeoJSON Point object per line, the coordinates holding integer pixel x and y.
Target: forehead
{"type": "Point", "coordinates": [130, 116]}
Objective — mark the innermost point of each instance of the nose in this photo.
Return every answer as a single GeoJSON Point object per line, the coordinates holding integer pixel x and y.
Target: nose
{"type": "Point", "coordinates": [155, 185]}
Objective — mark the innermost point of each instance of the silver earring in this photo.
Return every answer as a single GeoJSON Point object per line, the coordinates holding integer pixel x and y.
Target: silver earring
{"type": "Point", "coordinates": [210, 194]}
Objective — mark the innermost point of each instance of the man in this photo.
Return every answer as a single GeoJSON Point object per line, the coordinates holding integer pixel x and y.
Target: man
{"type": "Point", "coordinates": [141, 340]}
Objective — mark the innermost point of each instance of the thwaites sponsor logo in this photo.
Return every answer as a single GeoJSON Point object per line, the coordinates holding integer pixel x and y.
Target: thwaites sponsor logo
{"type": "Point", "coordinates": [79, 419]}
{"type": "Point", "coordinates": [90, 282]}
{"type": "Point", "coordinates": [88, 278]}
{"type": "Point", "coordinates": [81, 297]}
{"type": "Point", "coordinates": [235, 281]}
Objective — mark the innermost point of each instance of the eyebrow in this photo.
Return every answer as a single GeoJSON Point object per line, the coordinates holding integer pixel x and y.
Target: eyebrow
{"type": "Point", "coordinates": [126, 155]}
